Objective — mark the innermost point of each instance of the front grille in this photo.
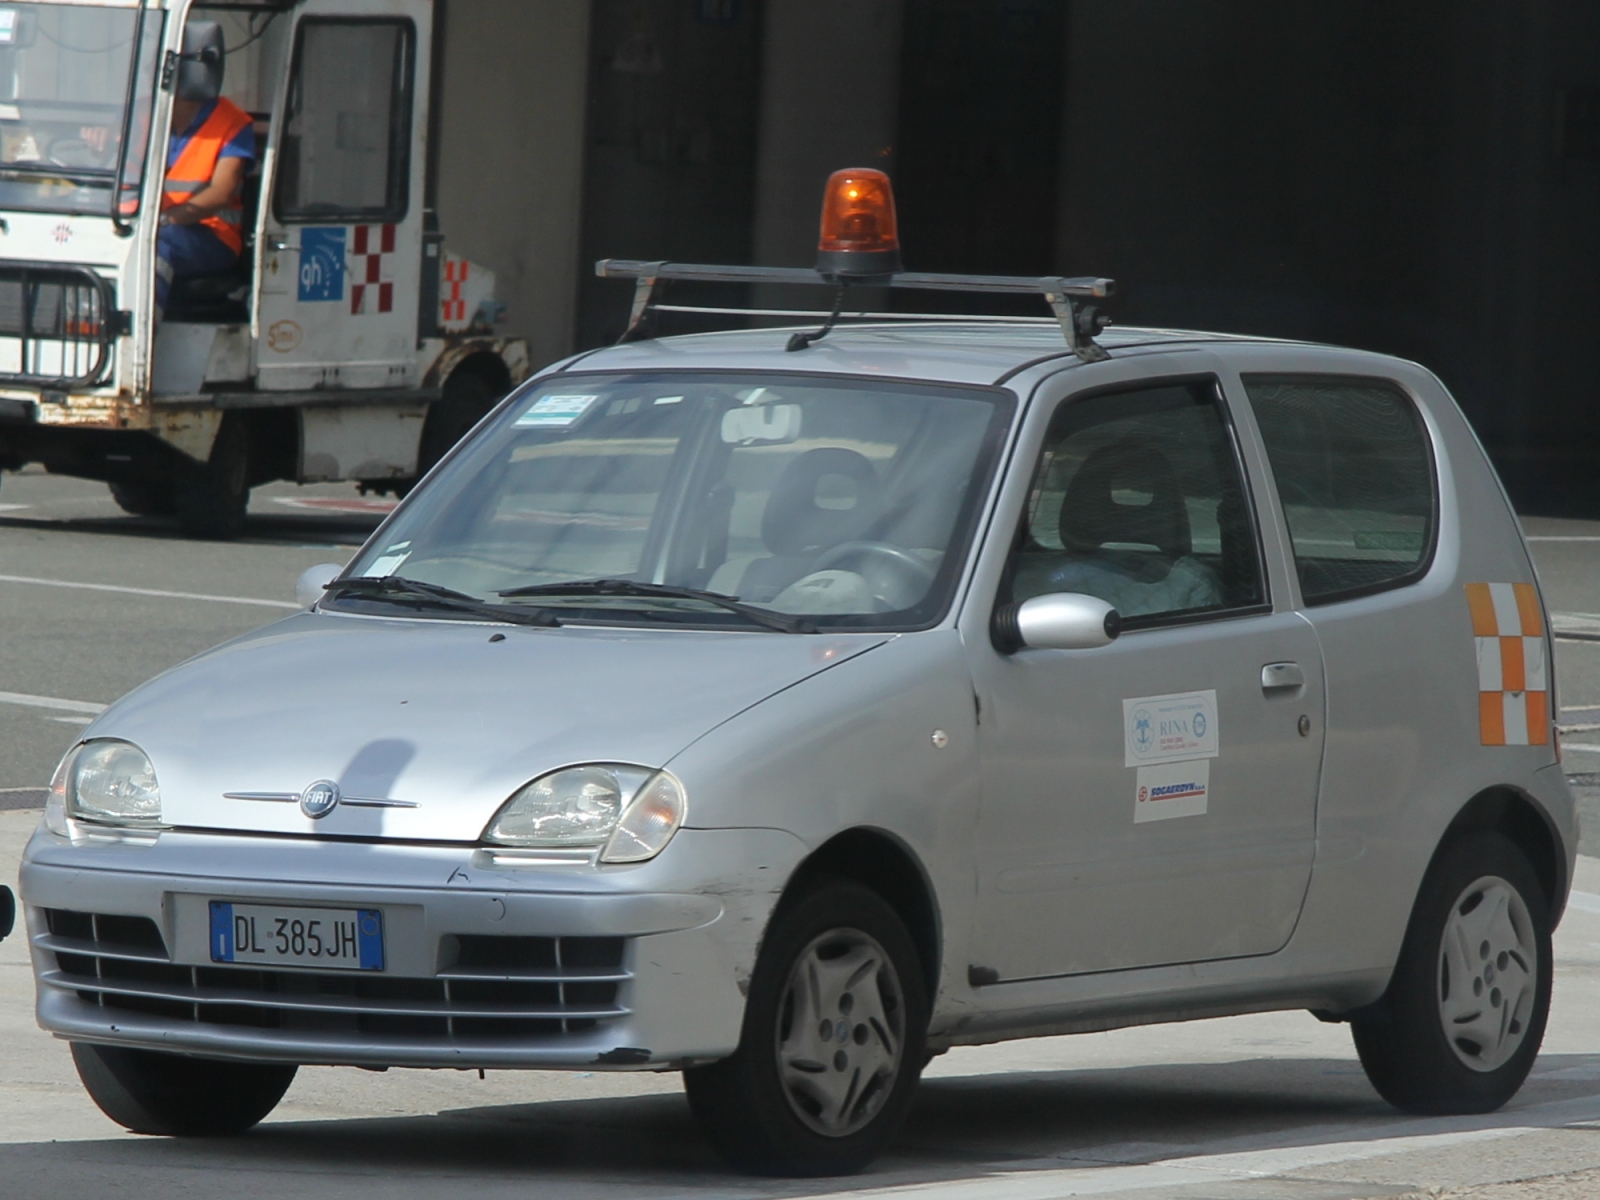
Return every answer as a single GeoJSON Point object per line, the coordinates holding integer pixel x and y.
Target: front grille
{"type": "Point", "coordinates": [491, 989]}
{"type": "Point", "coordinates": [57, 325]}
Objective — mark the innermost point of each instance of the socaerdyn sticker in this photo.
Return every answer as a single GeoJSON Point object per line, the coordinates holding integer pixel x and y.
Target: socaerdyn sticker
{"type": "Point", "coordinates": [555, 412]}
{"type": "Point", "coordinates": [1168, 728]}
{"type": "Point", "coordinates": [1171, 790]}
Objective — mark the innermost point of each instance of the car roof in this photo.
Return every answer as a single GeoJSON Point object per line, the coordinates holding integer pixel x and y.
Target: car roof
{"type": "Point", "coordinates": [955, 351]}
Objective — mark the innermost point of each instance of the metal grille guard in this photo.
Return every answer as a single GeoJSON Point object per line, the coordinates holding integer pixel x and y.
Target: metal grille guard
{"type": "Point", "coordinates": [61, 312]}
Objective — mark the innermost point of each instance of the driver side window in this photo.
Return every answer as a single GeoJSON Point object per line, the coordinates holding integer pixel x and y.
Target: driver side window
{"type": "Point", "coordinates": [1138, 499]}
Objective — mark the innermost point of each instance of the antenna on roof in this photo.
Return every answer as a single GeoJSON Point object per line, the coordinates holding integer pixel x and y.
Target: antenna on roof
{"type": "Point", "coordinates": [860, 246]}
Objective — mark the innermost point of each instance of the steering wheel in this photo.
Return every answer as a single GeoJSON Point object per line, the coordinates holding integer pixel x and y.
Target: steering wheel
{"type": "Point", "coordinates": [910, 577]}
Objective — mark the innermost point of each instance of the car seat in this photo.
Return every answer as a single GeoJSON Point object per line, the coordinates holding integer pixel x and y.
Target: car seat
{"type": "Point", "coordinates": [798, 523]}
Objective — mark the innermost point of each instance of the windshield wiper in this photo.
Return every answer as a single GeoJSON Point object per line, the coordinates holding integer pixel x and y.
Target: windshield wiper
{"type": "Point", "coordinates": [400, 589]}
{"type": "Point", "coordinates": [782, 622]}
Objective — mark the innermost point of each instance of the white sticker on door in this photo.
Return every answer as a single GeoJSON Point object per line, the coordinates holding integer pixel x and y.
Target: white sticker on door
{"type": "Point", "coordinates": [1171, 790]}
{"type": "Point", "coordinates": [1168, 728]}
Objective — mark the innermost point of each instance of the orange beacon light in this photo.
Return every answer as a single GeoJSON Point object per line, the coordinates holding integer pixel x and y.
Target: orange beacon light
{"type": "Point", "coordinates": [859, 235]}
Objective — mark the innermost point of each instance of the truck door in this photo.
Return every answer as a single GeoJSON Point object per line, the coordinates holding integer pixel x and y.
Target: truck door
{"type": "Point", "coordinates": [340, 233]}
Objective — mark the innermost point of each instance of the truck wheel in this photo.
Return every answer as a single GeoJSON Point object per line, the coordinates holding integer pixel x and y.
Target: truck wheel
{"type": "Point", "coordinates": [173, 1095]}
{"type": "Point", "coordinates": [144, 499]}
{"type": "Point", "coordinates": [466, 399]}
{"type": "Point", "coordinates": [834, 1033]}
{"type": "Point", "coordinates": [211, 500]}
{"type": "Point", "coordinates": [1462, 1020]}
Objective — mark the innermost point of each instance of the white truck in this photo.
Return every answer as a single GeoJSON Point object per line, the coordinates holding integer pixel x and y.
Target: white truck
{"type": "Point", "coordinates": [348, 344]}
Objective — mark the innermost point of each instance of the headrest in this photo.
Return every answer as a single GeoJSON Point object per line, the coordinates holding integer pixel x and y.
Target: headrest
{"type": "Point", "coordinates": [202, 62]}
{"type": "Point", "coordinates": [1127, 494]}
{"type": "Point", "coordinates": [824, 497]}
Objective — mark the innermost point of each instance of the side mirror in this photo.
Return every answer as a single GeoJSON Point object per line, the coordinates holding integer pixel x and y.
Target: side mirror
{"type": "Point", "coordinates": [313, 582]}
{"type": "Point", "coordinates": [1058, 621]}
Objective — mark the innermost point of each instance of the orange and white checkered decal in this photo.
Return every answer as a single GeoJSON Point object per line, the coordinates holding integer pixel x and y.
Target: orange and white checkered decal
{"type": "Point", "coordinates": [372, 284]}
{"type": "Point", "coordinates": [452, 307]}
{"type": "Point", "coordinates": [1513, 677]}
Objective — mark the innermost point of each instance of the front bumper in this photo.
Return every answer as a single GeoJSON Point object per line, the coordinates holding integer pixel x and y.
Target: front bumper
{"type": "Point", "coordinates": [554, 967]}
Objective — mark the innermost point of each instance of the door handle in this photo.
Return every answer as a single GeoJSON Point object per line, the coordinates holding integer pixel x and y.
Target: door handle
{"type": "Point", "coordinates": [1279, 676]}
{"type": "Point", "coordinates": [279, 244]}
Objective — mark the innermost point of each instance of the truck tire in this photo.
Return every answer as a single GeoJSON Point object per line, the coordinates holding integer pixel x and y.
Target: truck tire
{"type": "Point", "coordinates": [144, 499]}
{"type": "Point", "coordinates": [173, 1095]}
{"type": "Point", "coordinates": [1459, 1027]}
{"type": "Point", "coordinates": [467, 397]}
{"type": "Point", "coordinates": [210, 500]}
{"type": "Point", "coordinates": [834, 1038]}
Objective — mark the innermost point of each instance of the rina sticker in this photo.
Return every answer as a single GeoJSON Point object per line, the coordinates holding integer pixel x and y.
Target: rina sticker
{"type": "Point", "coordinates": [1170, 728]}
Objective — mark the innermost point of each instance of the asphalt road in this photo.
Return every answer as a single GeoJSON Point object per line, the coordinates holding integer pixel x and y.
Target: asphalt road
{"type": "Point", "coordinates": [1262, 1106]}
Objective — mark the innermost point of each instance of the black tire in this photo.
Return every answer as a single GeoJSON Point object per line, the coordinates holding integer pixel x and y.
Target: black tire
{"type": "Point", "coordinates": [173, 1095]}
{"type": "Point", "coordinates": [763, 1117]}
{"type": "Point", "coordinates": [1430, 1045]}
{"type": "Point", "coordinates": [144, 499]}
{"type": "Point", "coordinates": [211, 500]}
{"type": "Point", "coordinates": [466, 398]}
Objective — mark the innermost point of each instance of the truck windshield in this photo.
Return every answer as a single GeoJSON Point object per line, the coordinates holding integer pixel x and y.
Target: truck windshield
{"type": "Point", "coordinates": [63, 104]}
{"type": "Point", "coordinates": [845, 502]}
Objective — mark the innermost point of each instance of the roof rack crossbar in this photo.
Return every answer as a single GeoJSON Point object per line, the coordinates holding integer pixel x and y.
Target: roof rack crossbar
{"type": "Point", "coordinates": [1079, 321]}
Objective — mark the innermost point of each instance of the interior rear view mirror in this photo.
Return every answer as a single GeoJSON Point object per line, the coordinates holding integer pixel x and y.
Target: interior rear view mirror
{"type": "Point", "coordinates": [768, 423]}
{"type": "Point", "coordinates": [1057, 621]}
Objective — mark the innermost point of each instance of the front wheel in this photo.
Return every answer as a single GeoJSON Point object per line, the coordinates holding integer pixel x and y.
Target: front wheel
{"type": "Point", "coordinates": [1462, 1020]}
{"type": "Point", "coordinates": [148, 1091]}
{"type": "Point", "coordinates": [833, 1042]}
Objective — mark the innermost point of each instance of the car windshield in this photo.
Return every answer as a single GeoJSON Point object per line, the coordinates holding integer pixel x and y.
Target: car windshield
{"type": "Point", "coordinates": [63, 103]}
{"type": "Point", "coordinates": [841, 503]}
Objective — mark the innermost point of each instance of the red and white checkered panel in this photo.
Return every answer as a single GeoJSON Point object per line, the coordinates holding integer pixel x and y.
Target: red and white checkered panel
{"type": "Point", "coordinates": [452, 307]}
{"type": "Point", "coordinates": [371, 270]}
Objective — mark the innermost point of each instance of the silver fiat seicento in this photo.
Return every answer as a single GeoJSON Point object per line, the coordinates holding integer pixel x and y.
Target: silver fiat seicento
{"type": "Point", "coordinates": [786, 718]}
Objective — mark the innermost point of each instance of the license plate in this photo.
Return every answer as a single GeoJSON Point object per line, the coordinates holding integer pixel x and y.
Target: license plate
{"type": "Point", "coordinates": [344, 939]}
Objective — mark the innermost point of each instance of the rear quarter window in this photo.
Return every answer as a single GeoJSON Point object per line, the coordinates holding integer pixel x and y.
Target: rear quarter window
{"type": "Point", "coordinates": [1355, 475]}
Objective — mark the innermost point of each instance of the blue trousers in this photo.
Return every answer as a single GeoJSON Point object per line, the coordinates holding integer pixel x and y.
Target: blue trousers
{"type": "Point", "coordinates": [188, 250]}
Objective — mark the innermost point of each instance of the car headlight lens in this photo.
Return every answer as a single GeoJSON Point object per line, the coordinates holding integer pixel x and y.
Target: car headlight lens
{"type": "Point", "coordinates": [630, 811]}
{"type": "Point", "coordinates": [112, 783]}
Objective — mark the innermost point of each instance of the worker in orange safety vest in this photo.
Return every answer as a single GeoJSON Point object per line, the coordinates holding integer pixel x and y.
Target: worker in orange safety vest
{"type": "Point", "coordinates": [210, 152]}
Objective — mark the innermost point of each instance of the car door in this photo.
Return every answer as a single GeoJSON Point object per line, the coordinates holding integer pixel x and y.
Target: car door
{"type": "Point", "coordinates": [341, 228]}
{"type": "Point", "coordinates": [1154, 800]}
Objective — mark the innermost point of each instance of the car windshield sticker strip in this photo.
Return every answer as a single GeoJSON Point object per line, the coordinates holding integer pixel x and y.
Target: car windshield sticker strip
{"type": "Point", "coordinates": [1513, 678]}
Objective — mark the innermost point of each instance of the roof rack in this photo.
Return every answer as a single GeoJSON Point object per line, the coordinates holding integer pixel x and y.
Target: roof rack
{"type": "Point", "coordinates": [1068, 298]}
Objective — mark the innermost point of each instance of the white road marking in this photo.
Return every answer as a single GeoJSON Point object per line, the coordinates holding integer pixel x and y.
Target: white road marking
{"type": "Point", "coordinates": [1584, 901]}
{"type": "Point", "coordinates": [1580, 748]}
{"type": "Point", "coordinates": [134, 591]}
{"type": "Point", "coordinates": [13, 507]}
{"type": "Point", "coordinates": [1305, 1148]}
{"type": "Point", "coordinates": [74, 706]}
{"type": "Point", "coordinates": [1563, 537]}
{"type": "Point", "coordinates": [73, 720]}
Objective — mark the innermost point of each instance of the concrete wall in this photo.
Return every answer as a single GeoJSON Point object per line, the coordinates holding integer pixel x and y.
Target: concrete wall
{"type": "Point", "coordinates": [511, 155]}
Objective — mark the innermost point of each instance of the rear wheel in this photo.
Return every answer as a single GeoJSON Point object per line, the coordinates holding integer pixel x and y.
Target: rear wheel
{"type": "Point", "coordinates": [147, 1091]}
{"type": "Point", "coordinates": [466, 399]}
{"type": "Point", "coordinates": [833, 1041]}
{"type": "Point", "coordinates": [211, 499]}
{"type": "Point", "coordinates": [1462, 1020]}
{"type": "Point", "coordinates": [144, 499]}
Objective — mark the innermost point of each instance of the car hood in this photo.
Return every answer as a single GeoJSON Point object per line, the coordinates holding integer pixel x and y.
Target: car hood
{"type": "Point", "coordinates": [436, 714]}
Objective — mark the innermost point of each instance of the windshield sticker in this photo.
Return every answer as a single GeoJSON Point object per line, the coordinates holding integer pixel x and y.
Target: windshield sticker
{"type": "Point", "coordinates": [1160, 729]}
{"type": "Point", "coordinates": [389, 562]}
{"type": "Point", "coordinates": [669, 400]}
{"type": "Point", "coordinates": [555, 412]}
{"type": "Point", "coordinates": [1171, 790]}
{"type": "Point", "coordinates": [8, 28]}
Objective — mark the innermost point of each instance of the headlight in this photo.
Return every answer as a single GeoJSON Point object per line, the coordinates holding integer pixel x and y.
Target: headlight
{"type": "Point", "coordinates": [630, 811]}
{"type": "Point", "coordinates": [112, 783]}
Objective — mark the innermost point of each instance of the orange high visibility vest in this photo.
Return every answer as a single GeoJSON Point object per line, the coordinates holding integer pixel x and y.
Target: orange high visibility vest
{"type": "Point", "coordinates": [198, 163]}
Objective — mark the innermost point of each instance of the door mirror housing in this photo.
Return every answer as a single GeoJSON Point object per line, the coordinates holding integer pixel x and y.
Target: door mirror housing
{"type": "Point", "coordinates": [1056, 621]}
{"type": "Point", "coordinates": [313, 582]}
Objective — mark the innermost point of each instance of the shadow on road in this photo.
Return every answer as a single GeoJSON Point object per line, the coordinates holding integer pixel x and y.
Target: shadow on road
{"type": "Point", "coordinates": [961, 1128]}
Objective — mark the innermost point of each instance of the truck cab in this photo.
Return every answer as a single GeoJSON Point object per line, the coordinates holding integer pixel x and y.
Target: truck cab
{"type": "Point", "coordinates": [346, 343]}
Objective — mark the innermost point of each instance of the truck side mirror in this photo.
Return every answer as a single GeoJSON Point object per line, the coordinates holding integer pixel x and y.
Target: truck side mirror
{"type": "Point", "coordinates": [1057, 621]}
{"type": "Point", "coordinates": [313, 582]}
